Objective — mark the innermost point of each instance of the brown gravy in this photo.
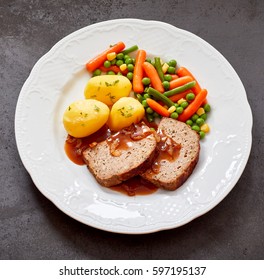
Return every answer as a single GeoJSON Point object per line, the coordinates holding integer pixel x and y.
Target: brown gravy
{"type": "Point", "coordinates": [135, 186]}
{"type": "Point", "coordinates": [74, 148]}
{"type": "Point", "coordinates": [168, 150]}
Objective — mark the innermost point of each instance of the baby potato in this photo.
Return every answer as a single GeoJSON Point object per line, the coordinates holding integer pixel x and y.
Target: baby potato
{"type": "Point", "coordinates": [124, 112]}
{"type": "Point", "coordinates": [107, 88]}
{"type": "Point", "coordinates": [85, 117]}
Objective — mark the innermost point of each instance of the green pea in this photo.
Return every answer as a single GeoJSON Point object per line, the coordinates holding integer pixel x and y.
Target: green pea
{"type": "Point", "coordinates": [107, 64]}
{"type": "Point", "coordinates": [146, 81]}
{"type": "Point", "coordinates": [202, 134]}
{"type": "Point", "coordinates": [110, 73]}
{"type": "Point", "coordinates": [97, 72]}
{"type": "Point", "coordinates": [171, 70]}
{"type": "Point", "coordinates": [148, 60]}
{"type": "Point", "coordinates": [184, 104]}
{"type": "Point", "coordinates": [113, 62]}
{"type": "Point", "coordinates": [179, 110]}
{"type": "Point", "coordinates": [195, 117]}
{"type": "Point", "coordinates": [204, 116]}
{"type": "Point", "coordinates": [174, 115]}
{"type": "Point", "coordinates": [130, 75]}
{"type": "Point", "coordinates": [176, 105]}
{"type": "Point", "coordinates": [207, 108]}
{"type": "Point", "coordinates": [190, 96]}
{"type": "Point", "coordinates": [119, 74]}
{"type": "Point", "coordinates": [189, 122]}
{"type": "Point", "coordinates": [120, 56]}
{"type": "Point", "coordinates": [119, 62]}
{"type": "Point", "coordinates": [172, 63]}
{"type": "Point", "coordinates": [133, 61]}
{"type": "Point", "coordinates": [144, 103]}
{"type": "Point", "coordinates": [167, 77]}
{"type": "Point", "coordinates": [200, 121]}
{"type": "Point", "coordinates": [128, 61]}
{"type": "Point", "coordinates": [146, 95]}
{"type": "Point", "coordinates": [150, 117]}
{"type": "Point", "coordinates": [166, 85]}
{"type": "Point", "coordinates": [130, 67]}
{"type": "Point", "coordinates": [196, 128]}
{"type": "Point", "coordinates": [126, 56]}
{"type": "Point", "coordinates": [156, 115]}
{"type": "Point", "coordinates": [149, 110]}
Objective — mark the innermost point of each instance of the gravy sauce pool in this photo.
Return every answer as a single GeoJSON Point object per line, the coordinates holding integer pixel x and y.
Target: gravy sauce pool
{"type": "Point", "coordinates": [74, 148]}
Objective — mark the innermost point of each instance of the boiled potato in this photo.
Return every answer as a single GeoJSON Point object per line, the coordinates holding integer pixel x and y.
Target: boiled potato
{"type": "Point", "coordinates": [124, 112]}
{"type": "Point", "coordinates": [85, 117]}
{"type": "Point", "coordinates": [107, 88]}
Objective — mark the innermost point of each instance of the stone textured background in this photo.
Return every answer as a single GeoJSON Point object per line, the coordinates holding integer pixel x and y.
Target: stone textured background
{"type": "Point", "coordinates": [31, 227]}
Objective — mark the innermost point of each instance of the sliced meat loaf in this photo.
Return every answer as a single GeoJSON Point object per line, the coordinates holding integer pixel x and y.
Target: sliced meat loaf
{"type": "Point", "coordinates": [112, 162]}
{"type": "Point", "coordinates": [171, 174]}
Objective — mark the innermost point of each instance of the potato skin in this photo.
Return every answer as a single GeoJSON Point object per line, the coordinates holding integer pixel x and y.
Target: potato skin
{"type": "Point", "coordinates": [125, 112]}
{"type": "Point", "coordinates": [107, 88]}
{"type": "Point", "coordinates": [84, 117]}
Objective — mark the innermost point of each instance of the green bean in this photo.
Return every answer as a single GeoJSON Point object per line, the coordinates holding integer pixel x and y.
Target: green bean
{"type": "Point", "coordinates": [131, 49]}
{"type": "Point", "coordinates": [159, 68]}
{"type": "Point", "coordinates": [139, 97]}
{"type": "Point", "coordinates": [156, 94]}
{"type": "Point", "coordinates": [180, 89]}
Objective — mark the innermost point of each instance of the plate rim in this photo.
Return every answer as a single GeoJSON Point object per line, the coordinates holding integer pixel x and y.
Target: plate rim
{"type": "Point", "coordinates": [71, 213]}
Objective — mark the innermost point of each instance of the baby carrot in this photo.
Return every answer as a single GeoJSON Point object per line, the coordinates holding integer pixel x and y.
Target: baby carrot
{"type": "Point", "coordinates": [179, 96]}
{"type": "Point", "coordinates": [194, 106]}
{"type": "Point", "coordinates": [138, 71]}
{"type": "Point", "coordinates": [155, 106]}
{"type": "Point", "coordinates": [97, 61]}
{"type": "Point", "coordinates": [174, 76]}
{"type": "Point", "coordinates": [152, 73]}
{"type": "Point", "coordinates": [182, 71]}
{"type": "Point", "coordinates": [180, 81]}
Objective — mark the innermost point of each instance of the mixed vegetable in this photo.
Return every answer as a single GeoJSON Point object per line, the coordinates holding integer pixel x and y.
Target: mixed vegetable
{"type": "Point", "coordinates": [161, 89]}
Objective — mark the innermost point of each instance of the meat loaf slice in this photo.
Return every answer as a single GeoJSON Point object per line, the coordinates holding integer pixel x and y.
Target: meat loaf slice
{"type": "Point", "coordinates": [171, 174]}
{"type": "Point", "coordinates": [121, 157]}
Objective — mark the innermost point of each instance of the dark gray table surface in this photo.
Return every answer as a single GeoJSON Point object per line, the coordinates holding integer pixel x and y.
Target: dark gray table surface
{"type": "Point", "coordinates": [31, 227]}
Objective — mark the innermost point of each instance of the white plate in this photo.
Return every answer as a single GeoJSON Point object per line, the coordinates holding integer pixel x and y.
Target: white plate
{"type": "Point", "coordinates": [58, 79]}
